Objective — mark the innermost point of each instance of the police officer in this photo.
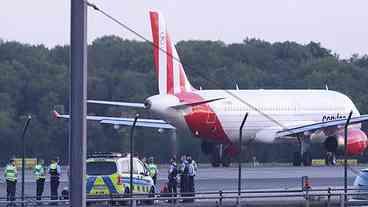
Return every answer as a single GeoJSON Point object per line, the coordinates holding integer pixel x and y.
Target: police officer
{"type": "Point", "coordinates": [40, 175]}
{"type": "Point", "coordinates": [183, 175]}
{"type": "Point", "coordinates": [54, 172]}
{"type": "Point", "coordinates": [172, 176]}
{"type": "Point", "coordinates": [191, 174]}
{"type": "Point", "coordinates": [10, 174]}
{"type": "Point", "coordinates": [152, 170]}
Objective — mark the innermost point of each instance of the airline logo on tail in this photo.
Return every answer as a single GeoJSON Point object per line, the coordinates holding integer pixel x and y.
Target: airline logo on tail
{"type": "Point", "coordinates": [169, 70]}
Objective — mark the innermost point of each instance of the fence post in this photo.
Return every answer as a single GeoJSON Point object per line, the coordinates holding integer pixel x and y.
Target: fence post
{"type": "Point", "coordinates": [307, 197]}
{"type": "Point", "coordinates": [328, 197]}
{"type": "Point", "coordinates": [220, 201]}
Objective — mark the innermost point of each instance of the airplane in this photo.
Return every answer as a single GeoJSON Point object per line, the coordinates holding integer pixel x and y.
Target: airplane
{"type": "Point", "coordinates": [214, 116]}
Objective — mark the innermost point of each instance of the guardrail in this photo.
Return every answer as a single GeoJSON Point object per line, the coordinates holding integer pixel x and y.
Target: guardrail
{"type": "Point", "coordinates": [324, 196]}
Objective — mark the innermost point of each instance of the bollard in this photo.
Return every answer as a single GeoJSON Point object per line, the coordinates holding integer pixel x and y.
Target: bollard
{"type": "Point", "coordinates": [305, 183]}
{"type": "Point", "coordinates": [220, 201]}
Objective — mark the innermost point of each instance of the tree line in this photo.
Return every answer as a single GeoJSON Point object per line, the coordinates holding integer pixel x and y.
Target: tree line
{"type": "Point", "coordinates": [34, 80]}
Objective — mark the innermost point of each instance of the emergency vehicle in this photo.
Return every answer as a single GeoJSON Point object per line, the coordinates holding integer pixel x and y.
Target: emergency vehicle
{"type": "Point", "coordinates": [108, 175]}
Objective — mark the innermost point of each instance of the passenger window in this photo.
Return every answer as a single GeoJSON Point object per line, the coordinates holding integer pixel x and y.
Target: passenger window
{"type": "Point", "coordinates": [139, 166]}
{"type": "Point", "coordinates": [125, 166]}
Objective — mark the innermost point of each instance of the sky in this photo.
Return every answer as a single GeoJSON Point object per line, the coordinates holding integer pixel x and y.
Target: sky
{"type": "Point", "coordinates": [340, 26]}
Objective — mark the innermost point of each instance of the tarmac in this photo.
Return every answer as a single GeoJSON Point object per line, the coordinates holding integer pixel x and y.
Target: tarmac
{"type": "Point", "coordinates": [226, 179]}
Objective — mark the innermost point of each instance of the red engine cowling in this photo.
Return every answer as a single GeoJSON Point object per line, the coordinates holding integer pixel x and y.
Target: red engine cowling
{"type": "Point", "coordinates": [357, 141]}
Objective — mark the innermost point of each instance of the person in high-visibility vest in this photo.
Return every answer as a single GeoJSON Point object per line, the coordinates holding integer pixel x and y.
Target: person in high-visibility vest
{"type": "Point", "coordinates": [54, 172]}
{"type": "Point", "coordinates": [152, 170]}
{"type": "Point", "coordinates": [10, 174]}
{"type": "Point", "coordinates": [40, 175]}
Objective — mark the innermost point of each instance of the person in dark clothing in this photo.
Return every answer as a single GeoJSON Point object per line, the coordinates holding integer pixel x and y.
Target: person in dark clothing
{"type": "Point", "coordinates": [172, 176]}
{"type": "Point", "coordinates": [183, 177]}
{"type": "Point", "coordinates": [54, 172]}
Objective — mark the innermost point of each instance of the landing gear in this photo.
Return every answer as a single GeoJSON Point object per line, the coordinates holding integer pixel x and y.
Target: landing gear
{"type": "Point", "coordinates": [304, 155]}
{"type": "Point", "coordinates": [307, 158]}
{"type": "Point", "coordinates": [331, 148]}
{"type": "Point", "coordinates": [330, 158]}
{"type": "Point", "coordinates": [215, 157]}
{"type": "Point", "coordinates": [297, 159]}
{"type": "Point", "coordinates": [226, 161]}
{"type": "Point", "coordinates": [216, 154]}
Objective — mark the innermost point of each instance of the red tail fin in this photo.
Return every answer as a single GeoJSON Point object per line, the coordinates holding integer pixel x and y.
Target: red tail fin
{"type": "Point", "coordinates": [169, 70]}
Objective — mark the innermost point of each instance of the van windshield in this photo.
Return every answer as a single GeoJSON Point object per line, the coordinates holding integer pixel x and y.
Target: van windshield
{"type": "Point", "coordinates": [101, 168]}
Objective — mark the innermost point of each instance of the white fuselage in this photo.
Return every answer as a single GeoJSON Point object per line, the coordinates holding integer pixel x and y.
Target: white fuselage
{"type": "Point", "coordinates": [268, 111]}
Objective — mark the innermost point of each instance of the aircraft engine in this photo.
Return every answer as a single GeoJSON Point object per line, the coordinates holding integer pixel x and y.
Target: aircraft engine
{"type": "Point", "coordinates": [357, 142]}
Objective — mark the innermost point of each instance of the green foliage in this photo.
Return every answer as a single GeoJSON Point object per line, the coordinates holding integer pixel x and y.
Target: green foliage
{"type": "Point", "coordinates": [34, 80]}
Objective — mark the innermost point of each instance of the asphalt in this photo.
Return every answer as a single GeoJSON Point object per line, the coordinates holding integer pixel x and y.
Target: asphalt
{"type": "Point", "coordinates": [226, 179]}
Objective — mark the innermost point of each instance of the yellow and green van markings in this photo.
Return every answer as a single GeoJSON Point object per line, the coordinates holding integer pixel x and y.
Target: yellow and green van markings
{"type": "Point", "coordinates": [101, 185]}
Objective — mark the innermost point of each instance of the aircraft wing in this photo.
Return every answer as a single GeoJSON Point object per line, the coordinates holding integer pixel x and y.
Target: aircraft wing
{"type": "Point", "coordinates": [116, 103]}
{"type": "Point", "coordinates": [154, 123]}
{"type": "Point", "coordinates": [320, 125]}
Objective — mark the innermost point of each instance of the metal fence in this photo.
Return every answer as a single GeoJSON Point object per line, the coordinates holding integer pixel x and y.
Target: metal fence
{"type": "Point", "coordinates": [300, 197]}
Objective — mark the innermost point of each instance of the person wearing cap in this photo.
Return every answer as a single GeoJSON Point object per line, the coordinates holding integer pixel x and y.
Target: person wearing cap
{"type": "Point", "coordinates": [54, 172]}
{"type": "Point", "coordinates": [172, 176]}
{"type": "Point", "coordinates": [152, 170]}
{"type": "Point", "coordinates": [40, 175]}
{"type": "Point", "coordinates": [10, 174]}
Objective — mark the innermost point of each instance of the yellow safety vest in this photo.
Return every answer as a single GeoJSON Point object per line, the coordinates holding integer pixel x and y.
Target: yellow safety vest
{"type": "Point", "coordinates": [39, 172]}
{"type": "Point", "coordinates": [10, 173]}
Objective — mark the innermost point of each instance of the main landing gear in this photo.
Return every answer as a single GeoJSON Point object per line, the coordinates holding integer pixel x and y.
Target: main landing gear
{"type": "Point", "coordinates": [303, 156]}
{"type": "Point", "coordinates": [216, 154]}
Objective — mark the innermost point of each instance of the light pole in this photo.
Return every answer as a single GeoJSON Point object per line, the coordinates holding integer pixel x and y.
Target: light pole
{"type": "Point", "coordinates": [24, 152]}
{"type": "Point", "coordinates": [239, 157]}
{"type": "Point", "coordinates": [131, 158]}
{"type": "Point", "coordinates": [345, 158]}
{"type": "Point", "coordinates": [78, 106]}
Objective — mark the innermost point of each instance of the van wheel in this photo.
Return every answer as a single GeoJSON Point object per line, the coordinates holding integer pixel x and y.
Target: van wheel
{"type": "Point", "coordinates": [151, 194]}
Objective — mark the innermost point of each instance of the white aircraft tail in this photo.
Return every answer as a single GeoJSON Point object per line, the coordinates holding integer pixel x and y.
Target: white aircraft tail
{"type": "Point", "coordinates": [169, 70]}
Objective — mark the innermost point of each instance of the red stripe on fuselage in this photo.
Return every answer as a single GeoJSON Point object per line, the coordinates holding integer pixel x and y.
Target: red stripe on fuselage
{"type": "Point", "coordinates": [154, 29]}
{"type": "Point", "coordinates": [170, 70]}
{"type": "Point", "coordinates": [202, 120]}
{"type": "Point", "coordinates": [182, 78]}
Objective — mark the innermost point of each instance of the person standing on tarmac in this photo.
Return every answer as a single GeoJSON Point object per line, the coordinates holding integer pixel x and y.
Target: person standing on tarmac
{"type": "Point", "coordinates": [40, 174]}
{"type": "Point", "coordinates": [54, 172]}
{"type": "Point", "coordinates": [195, 166]}
{"type": "Point", "coordinates": [183, 170]}
{"type": "Point", "coordinates": [10, 174]}
{"type": "Point", "coordinates": [152, 170]}
{"type": "Point", "coordinates": [172, 176]}
{"type": "Point", "coordinates": [191, 174]}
